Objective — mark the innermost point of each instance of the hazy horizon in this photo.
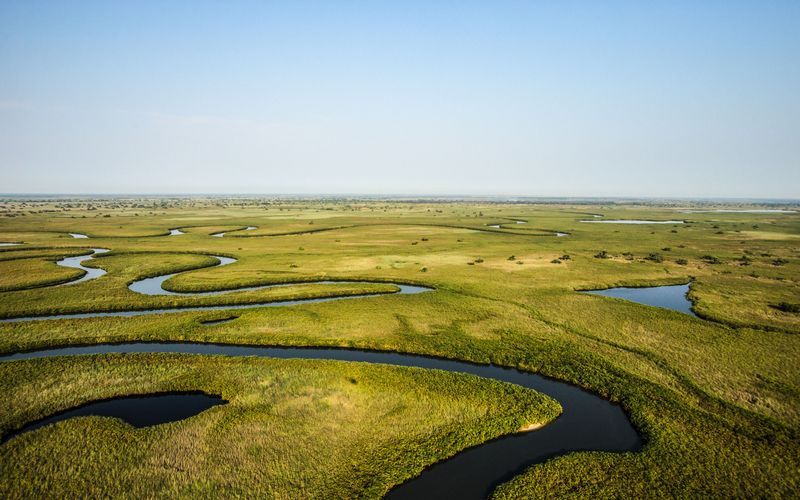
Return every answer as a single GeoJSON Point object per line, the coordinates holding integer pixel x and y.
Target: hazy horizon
{"type": "Point", "coordinates": [508, 99]}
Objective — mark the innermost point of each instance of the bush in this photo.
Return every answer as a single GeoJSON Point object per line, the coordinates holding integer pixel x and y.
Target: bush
{"type": "Point", "coordinates": [512, 258]}
{"type": "Point", "coordinates": [655, 257]}
{"type": "Point", "coordinates": [787, 307]}
{"type": "Point", "coordinates": [565, 257]}
{"type": "Point", "coordinates": [682, 262]}
{"type": "Point", "coordinates": [555, 261]}
{"type": "Point", "coordinates": [779, 262]}
{"type": "Point", "coordinates": [710, 259]}
{"type": "Point", "coordinates": [602, 254]}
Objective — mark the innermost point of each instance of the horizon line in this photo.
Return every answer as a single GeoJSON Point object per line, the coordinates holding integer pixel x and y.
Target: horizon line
{"type": "Point", "coordinates": [356, 195]}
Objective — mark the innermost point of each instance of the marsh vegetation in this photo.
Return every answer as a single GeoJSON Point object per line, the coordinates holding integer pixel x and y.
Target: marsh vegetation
{"type": "Point", "coordinates": [716, 397]}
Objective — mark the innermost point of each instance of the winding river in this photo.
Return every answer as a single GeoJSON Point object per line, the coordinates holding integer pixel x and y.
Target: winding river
{"type": "Point", "coordinates": [223, 233]}
{"type": "Point", "coordinates": [588, 422]}
{"type": "Point", "coordinates": [154, 286]}
{"type": "Point", "coordinates": [77, 263]}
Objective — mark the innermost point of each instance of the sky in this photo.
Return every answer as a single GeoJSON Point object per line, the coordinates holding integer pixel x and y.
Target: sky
{"type": "Point", "coordinates": [535, 98]}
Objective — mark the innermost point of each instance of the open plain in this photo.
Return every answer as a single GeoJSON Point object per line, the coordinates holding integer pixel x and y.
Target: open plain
{"type": "Point", "coordinates": [714, 397]}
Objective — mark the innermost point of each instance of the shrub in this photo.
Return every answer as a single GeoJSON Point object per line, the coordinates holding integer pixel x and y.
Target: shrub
{"type": "Point", "coordinates": [512, 258]}
{"type": "Point", "coordinates": [710, 259]}
{"type": "Point", "coordinates": [479, 261]}
{"type": "Point", "coordinates": [779, 262]}
{"type": "Point", "coordinates": [555, 261]}
{"type": "Point", "coordinates": [682, 262]}
{"type": "Point", "coordinates": [655, 257]}
{"type": "Point", "coordinates": [787, 307]}
{"type": "Point", "coordinates": [565, 257]}
{"type": "Point", "coordinates": [602, 254]}
{"type": "Point", "coordinates": [666, 249]}
{"type": "Point", "coordinates": [424, 270]}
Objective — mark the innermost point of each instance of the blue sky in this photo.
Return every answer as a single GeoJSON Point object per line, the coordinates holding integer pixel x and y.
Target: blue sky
{"type": "Point", "coordinates": [558, 98]}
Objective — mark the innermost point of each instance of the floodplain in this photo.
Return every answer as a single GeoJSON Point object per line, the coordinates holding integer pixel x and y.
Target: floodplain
{"type": "Point", "coordinates": [706, 403]}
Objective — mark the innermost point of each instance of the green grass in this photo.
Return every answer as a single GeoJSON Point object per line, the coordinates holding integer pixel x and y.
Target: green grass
{"type": "Point", "coordinates": [366, 426]}
{"type": "Point", "coordinates": [718, 400]}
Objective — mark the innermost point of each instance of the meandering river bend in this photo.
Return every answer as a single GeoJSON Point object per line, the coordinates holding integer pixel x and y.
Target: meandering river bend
{"type": "Point", "coordinates": [588, 422]}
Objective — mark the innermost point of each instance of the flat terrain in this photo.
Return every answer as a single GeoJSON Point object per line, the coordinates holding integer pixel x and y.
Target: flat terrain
{"type": "Point", "coordinates": [716, 398]}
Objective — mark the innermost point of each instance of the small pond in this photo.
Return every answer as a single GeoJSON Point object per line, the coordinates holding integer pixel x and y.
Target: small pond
{"type": "Point", "coordinates": [669, 297]}
{"type": "Point", "coordinates": [138, 411]}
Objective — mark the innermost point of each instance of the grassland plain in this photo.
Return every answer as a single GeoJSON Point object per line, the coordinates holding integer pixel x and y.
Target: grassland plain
{"type": "Point", "coordinates": [718, 399]}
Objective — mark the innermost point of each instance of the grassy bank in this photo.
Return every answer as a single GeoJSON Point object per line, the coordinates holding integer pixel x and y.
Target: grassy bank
{"type": "Point", "coordinates": [367, 426]}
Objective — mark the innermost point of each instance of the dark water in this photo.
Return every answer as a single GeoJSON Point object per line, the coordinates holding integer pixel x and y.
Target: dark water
{"type": "Point", "coordinates": [588, 422]}
{"type": "Point", "coordinates": [210, 322]}
{"type": "Point", "coordinates": [138, 411]}
{"type": "Point", "coordinates": [669, 297]}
